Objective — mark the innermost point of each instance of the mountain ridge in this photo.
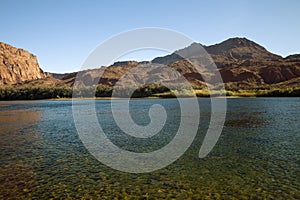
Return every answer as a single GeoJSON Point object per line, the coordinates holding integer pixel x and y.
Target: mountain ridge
{"type": "Point", "coordinates": [240, 61]}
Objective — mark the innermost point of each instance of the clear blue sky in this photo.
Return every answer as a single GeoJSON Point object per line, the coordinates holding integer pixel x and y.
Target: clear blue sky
{"type": "Point", "coordinates": [62, 33]}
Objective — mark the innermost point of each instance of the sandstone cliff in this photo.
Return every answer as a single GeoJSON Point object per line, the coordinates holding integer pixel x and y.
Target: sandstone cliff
{"type": "Point", "coordinates": [18, 65]}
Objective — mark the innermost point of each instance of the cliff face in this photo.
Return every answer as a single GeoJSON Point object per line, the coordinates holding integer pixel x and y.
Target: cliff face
{"type": "Point", "coordinates": [18, 65]}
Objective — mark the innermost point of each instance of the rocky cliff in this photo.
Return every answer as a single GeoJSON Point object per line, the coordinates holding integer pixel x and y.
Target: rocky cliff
{"type": "Point", "coordinates": [18, 65]}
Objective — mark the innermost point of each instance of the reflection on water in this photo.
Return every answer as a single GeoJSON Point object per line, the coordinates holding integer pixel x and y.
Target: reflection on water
{"type": "Point", "coordinates": [16, 143]}
{"type": "Point", "coordinates": [257, 156]}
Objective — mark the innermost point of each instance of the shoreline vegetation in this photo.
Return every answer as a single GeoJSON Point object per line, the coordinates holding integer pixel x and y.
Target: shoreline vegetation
{"type": "Point", "coordinates": [147, 91]}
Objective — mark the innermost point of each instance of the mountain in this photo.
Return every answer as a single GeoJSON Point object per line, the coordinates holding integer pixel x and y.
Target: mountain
{"type": "Point", "coordinates": [294, 57]}
{"type": "Point", "coordinates": [18, 65]}
{"type": "Point", "coordinates": [242, 63]}
{"type": "Point", "coordinates": [235, 49]}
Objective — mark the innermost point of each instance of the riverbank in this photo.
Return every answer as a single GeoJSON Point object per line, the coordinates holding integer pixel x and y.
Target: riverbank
{"type": "Point", "coordinates": [66, 93]}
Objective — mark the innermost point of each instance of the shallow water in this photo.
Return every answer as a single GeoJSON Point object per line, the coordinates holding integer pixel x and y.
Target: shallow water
{"type": "Point", "coordinates": [257, 156]}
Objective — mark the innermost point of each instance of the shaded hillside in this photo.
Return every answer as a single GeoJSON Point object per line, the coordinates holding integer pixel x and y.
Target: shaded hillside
{"type": "Point", "coordinates": [294, 57]}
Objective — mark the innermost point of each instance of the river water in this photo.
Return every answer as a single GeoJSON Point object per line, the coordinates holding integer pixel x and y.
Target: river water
{"type": "Point", "coordinates": [256, 157]}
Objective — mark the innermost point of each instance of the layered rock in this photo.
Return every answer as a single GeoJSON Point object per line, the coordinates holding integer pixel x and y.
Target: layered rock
{"type": "Point", "coordinates": [18, 65]}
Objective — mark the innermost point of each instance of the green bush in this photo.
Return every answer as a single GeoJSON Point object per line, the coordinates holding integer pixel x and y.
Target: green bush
{"type": "Point", "coordinates": [32, 93]}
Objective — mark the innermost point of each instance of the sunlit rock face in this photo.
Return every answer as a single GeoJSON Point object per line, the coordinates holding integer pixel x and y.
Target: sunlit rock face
{"type": "Point", "coordinates": [18, 65]}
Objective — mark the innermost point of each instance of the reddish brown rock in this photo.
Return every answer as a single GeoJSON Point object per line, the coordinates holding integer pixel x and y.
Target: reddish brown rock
{"type": "Point", "coordinates": [241, 62]}
{"type": "Point", "coordinates": [18, 65]}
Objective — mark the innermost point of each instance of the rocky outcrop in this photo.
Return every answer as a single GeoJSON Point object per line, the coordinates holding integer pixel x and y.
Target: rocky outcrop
{"type": "Point", "coordinates": [18, 65]}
